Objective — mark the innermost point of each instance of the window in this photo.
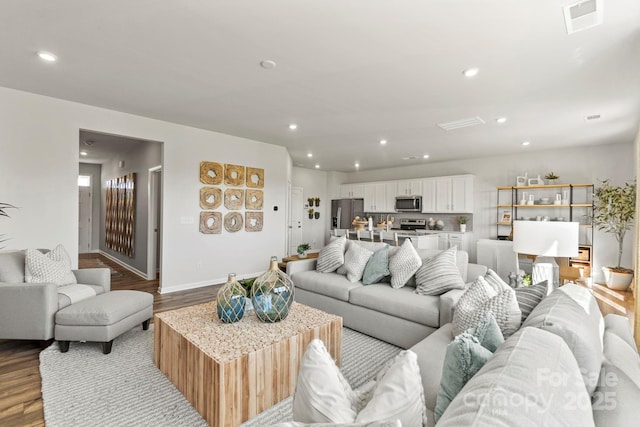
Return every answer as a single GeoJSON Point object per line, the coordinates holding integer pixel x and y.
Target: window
{"type": "Point", "coordinates": [84, 181]}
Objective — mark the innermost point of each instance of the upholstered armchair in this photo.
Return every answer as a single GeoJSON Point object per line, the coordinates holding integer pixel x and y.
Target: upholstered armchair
{"type": "Point", "coordinates": [27, 310]}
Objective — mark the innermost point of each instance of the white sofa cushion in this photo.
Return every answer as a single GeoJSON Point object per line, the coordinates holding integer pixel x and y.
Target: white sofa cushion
{"type": "Point", "coordinates": [332, 285]}
{"type": "Point", "coordinates": [403, 264]}
{"type": "Point", "coordinates": [532, 380]}
{"type": "Point", "coordinates": [323, 395]}
{"type": "Point", "coordinates": [439, 274]}
{"type": "Point", "coordinates": [52, 267]}
{"type": "Point", "coordinates": [562, 315]}
{"type": "Point", "coordinates": [402, 303]}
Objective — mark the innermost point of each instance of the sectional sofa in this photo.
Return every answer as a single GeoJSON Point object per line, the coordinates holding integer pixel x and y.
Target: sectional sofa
{"type": "Point", "coordinates": [566, 365]}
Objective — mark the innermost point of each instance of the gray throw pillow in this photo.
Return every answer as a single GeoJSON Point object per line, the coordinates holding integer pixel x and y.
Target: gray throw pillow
{"type": "Point", "coordinates": [464, 357]}
{"type": "Point", "coordinates": [377, 268]}
{"type": "Point", "coordinates": [439, 274]}
{"type": "Point", "coordinates": [331, 256]}
{"type": "Point", "coordinates": [529, 297]}
{"type": "Point", "coordinates": [487, 332]}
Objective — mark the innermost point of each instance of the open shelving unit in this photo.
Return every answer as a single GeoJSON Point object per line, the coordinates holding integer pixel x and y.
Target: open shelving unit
{"type": "Point", "coordinates": [578, 206]}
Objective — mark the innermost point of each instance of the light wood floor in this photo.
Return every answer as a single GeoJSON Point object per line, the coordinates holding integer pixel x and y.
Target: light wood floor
{"type": "Point", "coordinates": [20, 398]}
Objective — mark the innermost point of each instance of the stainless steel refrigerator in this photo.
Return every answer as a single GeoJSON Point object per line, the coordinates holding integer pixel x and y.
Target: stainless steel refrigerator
{"type": "Point", "coordinates": [344, 210]}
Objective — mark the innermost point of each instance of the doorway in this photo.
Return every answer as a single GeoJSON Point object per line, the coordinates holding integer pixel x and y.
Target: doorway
{"type": "Point", "coordinates": [295, 220]}
{"type": "Point", "coordinates": [154, 243]}
{"type": "Point", "coordinates": [85, 205]}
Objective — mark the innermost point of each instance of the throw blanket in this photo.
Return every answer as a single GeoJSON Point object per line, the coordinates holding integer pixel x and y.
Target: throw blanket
{"type": "Point", "coordinates": [77, 293]}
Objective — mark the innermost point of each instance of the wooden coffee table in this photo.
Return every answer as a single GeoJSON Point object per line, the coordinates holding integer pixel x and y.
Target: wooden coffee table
{"type": "Point", "coordinates": [232, 372]}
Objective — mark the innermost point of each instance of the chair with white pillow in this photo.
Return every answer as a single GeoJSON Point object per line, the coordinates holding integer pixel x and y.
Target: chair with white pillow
{"type": "Point", "coordinates": [29, 302]}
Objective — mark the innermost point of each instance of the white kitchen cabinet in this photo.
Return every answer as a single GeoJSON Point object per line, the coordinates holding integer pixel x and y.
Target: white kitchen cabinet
{"type": "Point", "coordinates": [448, 194]}
{"type": "Point", "coordinates": [375, 197]}
{"type": "Point", "coordinates": [443, 241]}
{"type": "Point", "coordinates": [391, 191]}
{"type": "Point", "coordinates": [429, 241]}
{"type": "Point", "coordinates": [409, 187]}
{"type": "Point", "coordinates": [352, 191]}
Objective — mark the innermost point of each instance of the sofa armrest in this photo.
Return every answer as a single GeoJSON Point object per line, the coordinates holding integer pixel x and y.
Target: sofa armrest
{"type": "Point", "coordinates": [94, 276]}
{"type": "Point", "coordinates": [294, 267]}
{"type": "Point", "coordinates": [27, 310]}
{"type": "Point", "coordinates": [448, 302]}
{"type": "Point", "coordinates": [475, 270]}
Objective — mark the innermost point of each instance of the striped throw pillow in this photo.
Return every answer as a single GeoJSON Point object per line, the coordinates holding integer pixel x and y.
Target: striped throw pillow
{"type": "Point", "coordinates": [404, 264]}
{"type": "Point", "coordinates": [439, 274]}
{"type": "Point", "coordinates": [331, 256]}
{"type": "Point", "coordinates": [530, 296]}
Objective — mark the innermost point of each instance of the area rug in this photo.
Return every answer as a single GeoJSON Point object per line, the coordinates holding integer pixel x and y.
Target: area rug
{"type": "Point", "coordinates": [87, 388]}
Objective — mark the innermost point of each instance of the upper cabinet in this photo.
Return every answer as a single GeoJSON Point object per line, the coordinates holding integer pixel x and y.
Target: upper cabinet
{"type": "Point", "coordinates": [375, 197]}
{"type": "Point", "coordinates": [448, 194]}
{"type": "Point", "coordinates": [352, 191]}
{"type": "Point", "coordinates": [409, 187]}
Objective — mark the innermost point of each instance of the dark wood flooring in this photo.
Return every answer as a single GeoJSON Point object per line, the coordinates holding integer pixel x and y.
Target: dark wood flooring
{"type": "Point", "coordinates": [20, 397]}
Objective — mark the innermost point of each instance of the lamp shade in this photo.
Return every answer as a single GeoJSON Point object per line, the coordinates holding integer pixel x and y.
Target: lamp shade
{"type": "Point", "coordinates": [546, 238]}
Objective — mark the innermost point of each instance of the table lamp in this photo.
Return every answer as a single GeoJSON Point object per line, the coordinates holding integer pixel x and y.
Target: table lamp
{"type": "Point", "coordinates": [547, 240]}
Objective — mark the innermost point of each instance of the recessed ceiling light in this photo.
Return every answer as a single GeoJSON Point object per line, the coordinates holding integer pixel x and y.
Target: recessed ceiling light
{"type": "Point", "coordinates": [47, 56]}
{"type": "Point", "coordinates": [83, 153]}
{"type": "Point", "coordinates": [293, 126]}
{"type": "Point", "coordinates": [501, 120]}
{"type": "Point", "coordinates": [471, 72]}
{"type": "Point", "coordinates": [268, 64]}
{"type": "Point", "coordinates": [525, 143]}
{"type": "Point", "coordinates": [426, 156]}
{"type": "Point", "coordinates": [383, 141]}
{"type": "Point", "coordinates": [309, 154]}
{"type": "Point", "coordinates": [317, 166]}
{"type": "Point", "coordinates": [357, 165]}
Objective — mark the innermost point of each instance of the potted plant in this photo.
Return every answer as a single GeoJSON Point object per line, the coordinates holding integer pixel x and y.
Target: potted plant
{"type": "Point", "coordinates": [551, 178]}
{"type": "Point", "coordinates": [310, 211]}
{"type": "Point", "coordinates": [317, 199]}
{"type": "Point", "coordinates": [462, 220]}
{"type": "Point", "coordinates": [614, 211]}
{"type": "Point", "coordinates": [316, 215]}
{"type": "Point", "coordinates": [302, 250]}
{"type": "Point", "coordinates": [310, 201]}
{"type": "Point", "coordinates": [3, 208]}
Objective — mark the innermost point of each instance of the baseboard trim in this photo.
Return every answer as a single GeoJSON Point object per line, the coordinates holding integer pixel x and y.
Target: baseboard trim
{"type": "Point", "coordinates": [195, 285]}
{"type": "Point", "coordinates": [124, 265]}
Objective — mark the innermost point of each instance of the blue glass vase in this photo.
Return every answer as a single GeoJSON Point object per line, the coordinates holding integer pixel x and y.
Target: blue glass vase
{"type": "Point", "coordinates": [230, 303]}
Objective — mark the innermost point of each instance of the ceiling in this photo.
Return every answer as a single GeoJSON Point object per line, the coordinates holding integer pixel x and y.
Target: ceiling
{"type": "Point", "coordinates": [349, 73]}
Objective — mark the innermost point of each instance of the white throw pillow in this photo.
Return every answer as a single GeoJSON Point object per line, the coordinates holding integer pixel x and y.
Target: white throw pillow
{"type": "Point", "coordinates": [52, 267]}
{"type": "Point", "coordinates": [322, 394]}
{"type": "Point", "coordinates": [331, 256]}
{"type": "Point", "coordinates": [403, 264]}
{"type": "Point", "coordinates": [482, 297]}
{"type": "Point", "coordinates": [439, 274]}
{"type": "Point", "coordinates": [355, 261]}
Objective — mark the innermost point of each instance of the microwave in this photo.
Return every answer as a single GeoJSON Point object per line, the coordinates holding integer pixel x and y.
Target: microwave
{"type": "Point", "coordinates": [409, 204]}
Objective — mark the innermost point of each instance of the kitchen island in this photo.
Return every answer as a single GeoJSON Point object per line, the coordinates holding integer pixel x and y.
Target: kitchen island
{"type": "Point", "coordinates": [422, 239]}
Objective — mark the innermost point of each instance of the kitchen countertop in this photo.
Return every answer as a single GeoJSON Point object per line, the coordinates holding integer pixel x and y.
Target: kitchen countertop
{"type": "Point", "coordinates": [411, 233]}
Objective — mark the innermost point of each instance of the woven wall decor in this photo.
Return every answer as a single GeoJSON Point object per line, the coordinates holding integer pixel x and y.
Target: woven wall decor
{"type": "Point", "coordinates": [233, 222]}
{"type": "Point", "coordinates": [255, 177]}
{"type": "Point", "coordinates": [234, 175]}
{"type": "Point", "coordinates": [210, 198]}
{"type": "Point", "coordinates": [211, 173]}
{"type": "Point", "coordinates": [253, 221]}
{"type": "Point", "coordinates": [254, 200]}
{"type": "Point", "coordinates": [211, 222]}
{"type": "Point", "coordinates": [120, 214]}
{"type": "Point", "coordinates": [233, 199]}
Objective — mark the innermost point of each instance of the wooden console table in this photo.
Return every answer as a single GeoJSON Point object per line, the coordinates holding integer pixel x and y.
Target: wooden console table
{"type": "Point", "coordinates": [232, 372]}
{"type": "Point", "coordinates": [282, 265]}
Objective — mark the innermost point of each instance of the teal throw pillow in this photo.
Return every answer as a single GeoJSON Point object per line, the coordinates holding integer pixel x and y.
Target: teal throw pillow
{"type": "Point", "coordinates": [377, 267]}
{"type": "Point", "coordinates": [487, 332]}
{"type": "Point", "coordinates": [465, 356]}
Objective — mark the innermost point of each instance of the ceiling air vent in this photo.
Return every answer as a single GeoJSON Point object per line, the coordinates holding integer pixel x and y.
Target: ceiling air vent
{"type": "Point", "coordinates": [582, 15]}
{"type": "Point", "coordinates": [463, 123]}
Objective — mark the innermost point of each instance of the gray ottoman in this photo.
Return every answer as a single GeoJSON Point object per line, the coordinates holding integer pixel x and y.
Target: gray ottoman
{"type": "Point", "coordinates": [103, 318]}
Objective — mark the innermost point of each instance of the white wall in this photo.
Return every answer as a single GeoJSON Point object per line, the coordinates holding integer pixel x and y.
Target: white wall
{"type": "Point", "coordinates": [579, 165]}
{"type": "Point", "coordinates": [39, 169]}
{"type": "Point", "coordinates": [314, 184]}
